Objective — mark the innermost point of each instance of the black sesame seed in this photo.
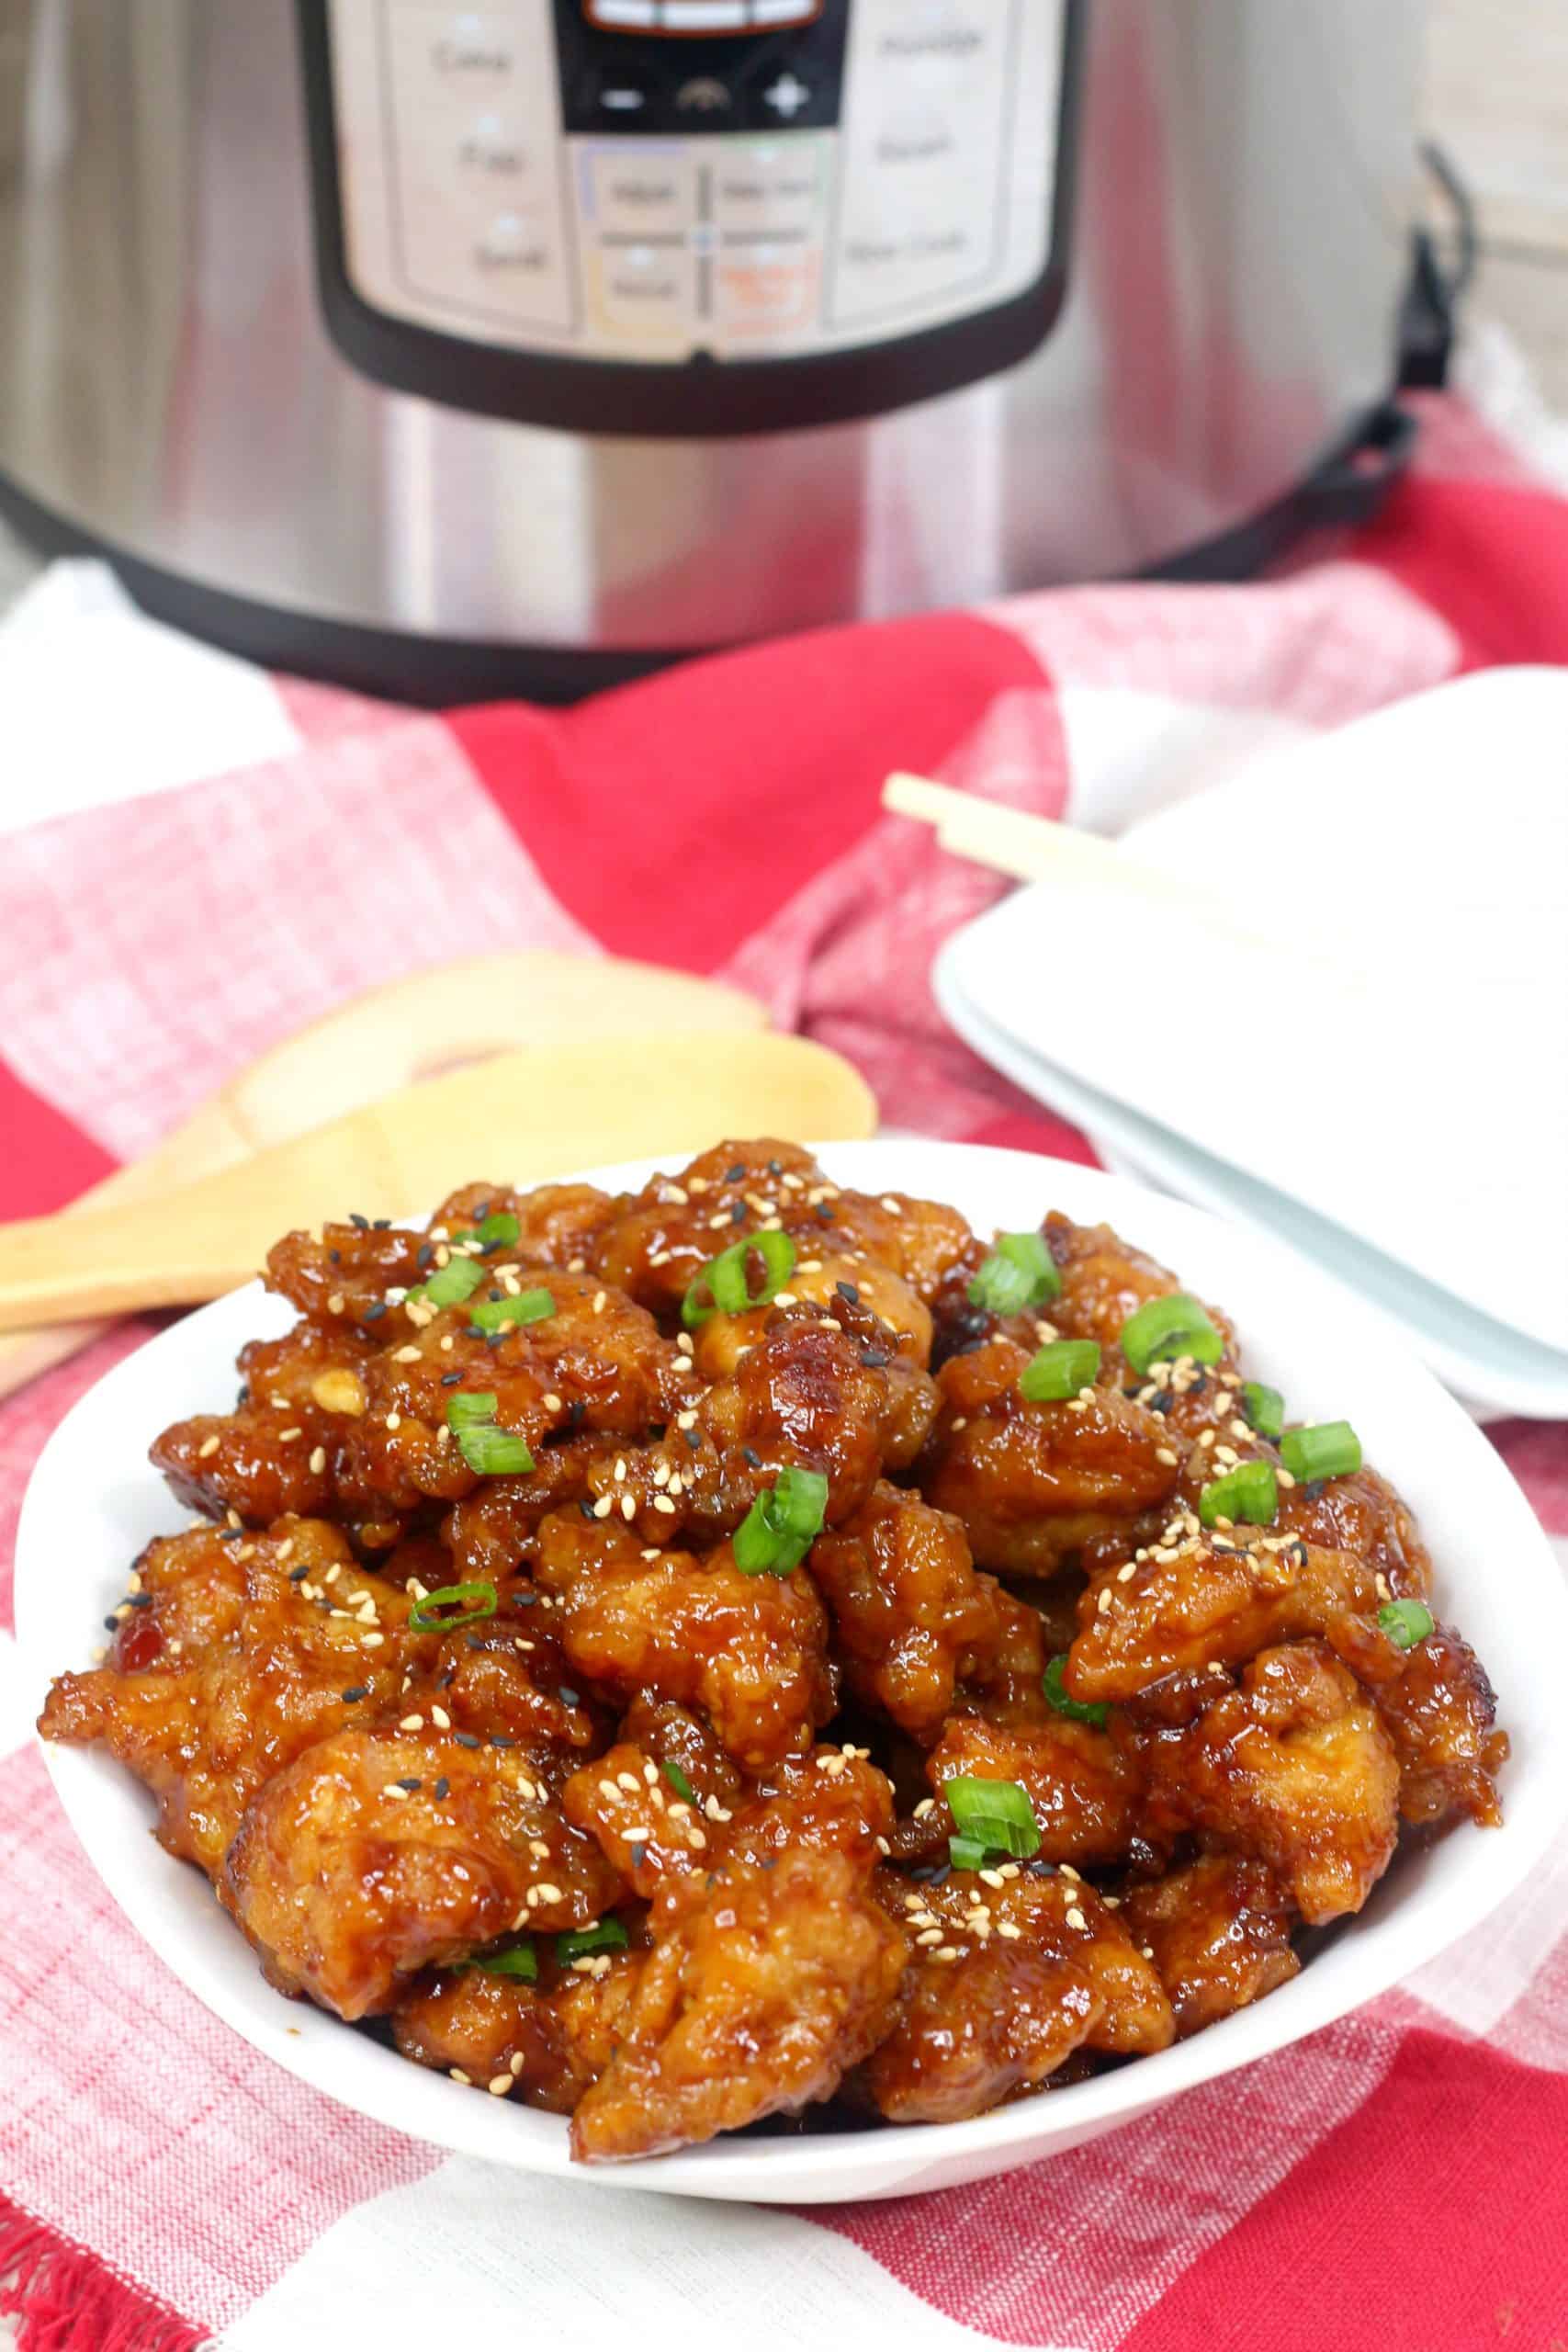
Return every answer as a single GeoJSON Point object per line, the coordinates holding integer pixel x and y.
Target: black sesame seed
{"type": "Point", "coordinates": [848, 1290]}
{"type": "Point", "coordinates": [587, 1510]}
{"type": "Point", "coordinates": [1313, 1489]}
{"type": "Point", "coordinates": [733, 1175]}
{"type": "Point", "coordinates": [694, 1439]}
{"type": "Point", "coordinates": [443, 1787]}
{"type": "Point", "coordinates": [381, 1225]}
{"type": "Point", "coordinates": [335, 1256]}
{"type": "Point", "coordinates": [424, 1254]}
{"type": "Point", "coordinates": [769, 1862]}
{"type": "Point", "coordinates": [639, 1856]}
{"type": "Point", "coordinates": [481, 1213]}
{"type": "Point", "coordinates": [874, 1357]}
{"type": "Point", "coordinates": [568, 1698]}
{"type": "Point", "coordinates": [496, 1740]}
{"type": "Point", "coordinates": [360, 1690]}
{"type": "Point", "coordinates": [111, 1624]}
{"type": "Point", "coordinates": [243, 1397]}
{"type": "Point", "coordinates": [824, 1214]}
{"type": "Point", "coordinates": [476, 1641]}
{"type": "Point", "coordinates": [374, 1313]}
{"type": "Point", "coordinates": [524, 1599]}
{"type": "Point", "coordinates": [450, 1379]}
{"type": "Point", "coordinates": [139, 1600]}
{"type": "Point", "coordinates": [467, 1739]}
{"type": "Point", "coordinates": [748, 1454]}
{"type": "Point", "coordinates": [362, 1223]}
{"type": "Point", "coordinates": [738, 1213]}
{"type": "Point", "coordinates": [775, 1167]}
{"type": "Point", "coordinates": [494, 1298]}
{"type": "Point", "coordinates": [413, 1781]}
{"type": "Point", "coordinates": [298, 1576]}
{"type": "Point", "coordinates": [232, 1535]}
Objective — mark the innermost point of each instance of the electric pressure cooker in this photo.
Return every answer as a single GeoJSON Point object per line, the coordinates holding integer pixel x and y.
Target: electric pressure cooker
{"type": "Point", "coordinates": [455, 351]}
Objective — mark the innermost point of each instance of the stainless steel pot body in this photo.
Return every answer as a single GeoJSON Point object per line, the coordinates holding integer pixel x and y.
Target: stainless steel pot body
{"type": "Point", "coordinates": [169, 388]}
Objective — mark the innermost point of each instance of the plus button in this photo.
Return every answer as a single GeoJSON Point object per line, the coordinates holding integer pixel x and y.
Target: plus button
{"type": "Point", "coordinates": [787, 95]}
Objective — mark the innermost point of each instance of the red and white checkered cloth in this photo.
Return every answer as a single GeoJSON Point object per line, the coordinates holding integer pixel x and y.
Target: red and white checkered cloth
{"type": "Point", "coordinates": [1401, 2180]}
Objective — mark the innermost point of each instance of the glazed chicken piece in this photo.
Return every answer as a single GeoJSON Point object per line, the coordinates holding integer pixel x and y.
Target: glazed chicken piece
{"type": "Point", "coordinates": [913, 1620]}
{"type": "Point", "coordinates": [1441, 1711]}
{"type": "Point", "coordinates": [277, 1452]}
{"type": "Point", "coordinates": [491, 1534]}
{"type": "Point", "coordinates": [1362, 1513]}
{"type": "Point", "coordinates": [1013, 1971]}
{"type": "Point", "coordinates": [803, 1396]}
{"type": "Point", "coordinates": [1219, 1933]}
{"type": "Point", "coordinates": [244, 1657]}
{"type": "Point", "coordinates": [1294, 1768]}
{"type": "Point", "coordinates": [381, 1852]}
{"type": "Point", "coordinates": [595, 1363]}
{"type": "Point", "coordinates": [1033, 1483]}
{"type": "Point", "coordinates": [1083, 1784]}
{"type": "Point", "coordinates": [549, 2041]}
{"type": "Point", "coordinates": [558, 1225]}
{"type": "Point", "coordinates": [656, 1244]}
{"type": "Point", "coordinates": [646, 1829]}
{"type": "Point", "coordinates": [1203, 1601]}
{"type": "Point", "coordinates": [761, 1990]}
{"type": "Point", "coordinates": [341, 1278]}
{"type": "Point", "coordinates": [750, 1652]}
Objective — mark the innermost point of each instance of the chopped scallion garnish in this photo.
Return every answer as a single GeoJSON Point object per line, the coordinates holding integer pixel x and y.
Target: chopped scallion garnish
{"type": "Point", "coordinates": [778, 1531]}
{"type": "Point", "coordinates": [995, 1813]}
{"type": "Point", "coordinates": [472, 1602]}
{"type": "Point", "coordinates": [1077, 1710]}
{"type": "Point", "coordinates": [527, 1307]}
{"type": "Point", "coordinates": [469, 1406]}
{"type": "Point", "coordinates": [494, 1453]}
{"type": "Point", "coordinates": [1164, 1329]}
{"type": "Point", "coordinates": [967, 1853]}
{"type": "Point", "coordinates": [1060, 1369]}
{"type": "Point", "coordinates": [1264, 1407]}
{"type": "Point", "coordinates": [723, 1285]}
{"type": "Point", "coordinates": [1020, 1274]}
{"type": "Point", "coordinates": [517, 1960]}
{"type": "Point", "coordinates": [582, 1943]}
{"type": "Point", "coordinates": [496, 1232]}
{"type": "Point", "coordinates": [1407, 1623]}
{"type": "Point", "coordinates": [1326, 1450]}
{"type": "Point", "coordinates": [449, 1285]}
{"type": "Point", "coordinates": [1249, 1492]}
{"type": "Point", "coordinates": [678, 1780]}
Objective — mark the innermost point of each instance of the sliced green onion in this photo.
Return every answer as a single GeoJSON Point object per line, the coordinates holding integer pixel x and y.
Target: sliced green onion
{"type": "Point", "coordinates": [678, 1780]}
{"type": "Point", "coordinates": [502, 1228]}
{"type": "Point", "coordinates": [1264, 1407]}
{"type": "Point", "coordinates": [967, 1853]}
{"type": "Point", "coordinates": [1077, 1710]}
{"type": "Point", "coordinates": [469, 1406]}
{"type": "Point", "coordinates": [528, 1306]}
{"type": "Point", "coordinates": [1407, 1623]}
{"type": "Point", "coordinates": [777, 1531]}
{"type": "Point", "coordinates": [1327, 1450]}
{"type": "Point", "coordinates": [494, 1453]}
{"type": "Point", "coordinates": [1163, 1329]}
{"type": "Point", "coordinates": [581, 1943]}
{"type": "Point", "coordinates": [726, 1279]}
{"type": "Point", "coordinates": [1061, 1369]}
{"type": "Point", "coordinates": [1249, 1492]}
{"type": "Point", "coordinates": [517, 1960]}
{"type": "Point", "coordinates": [996, 1812]}
{"type": "Point", "coordinates": [449, 1285]}
{"type": "Point", "coordinates": [473, 1601]}
{"type": "Point", "coordinates": [1020, 1273]}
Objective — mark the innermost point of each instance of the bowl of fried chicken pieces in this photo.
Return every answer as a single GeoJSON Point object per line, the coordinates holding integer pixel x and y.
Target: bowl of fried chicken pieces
{"type": "Point", "coordinates": [789, 1676]}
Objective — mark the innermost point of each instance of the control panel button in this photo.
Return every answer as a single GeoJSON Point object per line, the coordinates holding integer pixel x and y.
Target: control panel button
{"type": "Point", "coordinates": [616, 12]}
{"type": "Point", "coordinates": [784, 11]}
{"type": "Point", "coordinates": [642, 191]}
{"type": "Point", "coordinates": [779, 94]}
{"type": "Point", "coordinates": [703, 94]}
{"type": "Point", "coordinates": [767, 187]}
{"type": "Point", "coordinates": [703, 15]}
{"type": "Point", "coordinates": [493, 147]}
{"type": "Point", "coordinates": [478, 51]}
{"type": "Point", "coordinates": [646, 289]}
{"type": "Point", "coordinates": [767, 288]}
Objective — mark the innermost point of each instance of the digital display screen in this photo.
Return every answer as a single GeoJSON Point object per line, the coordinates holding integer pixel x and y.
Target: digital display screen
{"type": "Point", "coordinates": [677, 17]}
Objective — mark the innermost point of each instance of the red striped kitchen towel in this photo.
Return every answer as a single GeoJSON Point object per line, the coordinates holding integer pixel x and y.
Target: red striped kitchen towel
{"type": "Point", "coordinates": [1399, 2180]}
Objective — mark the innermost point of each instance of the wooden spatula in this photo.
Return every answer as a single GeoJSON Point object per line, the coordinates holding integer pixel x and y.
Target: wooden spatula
{"type": "Point", "coordinates": [518, 1119]}
{"type": "Point", "coordinates": [411, 1029]}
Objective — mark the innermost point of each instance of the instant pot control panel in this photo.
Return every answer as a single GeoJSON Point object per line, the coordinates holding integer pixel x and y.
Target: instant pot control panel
{"type": "Point", "coordinates": [689, 216]}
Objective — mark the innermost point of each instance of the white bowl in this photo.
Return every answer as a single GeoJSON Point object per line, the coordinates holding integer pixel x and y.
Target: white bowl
{"type": "Point", "coordinates": [93, 1501]}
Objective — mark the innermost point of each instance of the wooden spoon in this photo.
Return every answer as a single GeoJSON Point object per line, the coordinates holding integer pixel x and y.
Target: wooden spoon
{"type": "Point", "coordinates": [518, 1119]}
{"type": "Point", "coordinates": [412, 1028]}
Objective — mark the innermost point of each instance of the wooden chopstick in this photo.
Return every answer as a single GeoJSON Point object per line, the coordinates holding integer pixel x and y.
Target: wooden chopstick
{"type": "Point", "coordinates": [1032, 849]}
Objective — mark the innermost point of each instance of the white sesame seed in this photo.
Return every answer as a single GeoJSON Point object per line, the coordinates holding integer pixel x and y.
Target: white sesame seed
{"type": "Point", "coordinates": [1167, 1455]}
{"type": "Point", "coordinates": [1076, 1918]}
{"type": "Point", "coordinates": [207, 1447]}
{"type": "Point", "coordinates": [406, 1355]}
{"type": "Point", "coordinates": [411, 1722]}
{"type": "Point", "coordinates": [319, 1461]}
{"type": "Point", "coordinates": [603, 1507]}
